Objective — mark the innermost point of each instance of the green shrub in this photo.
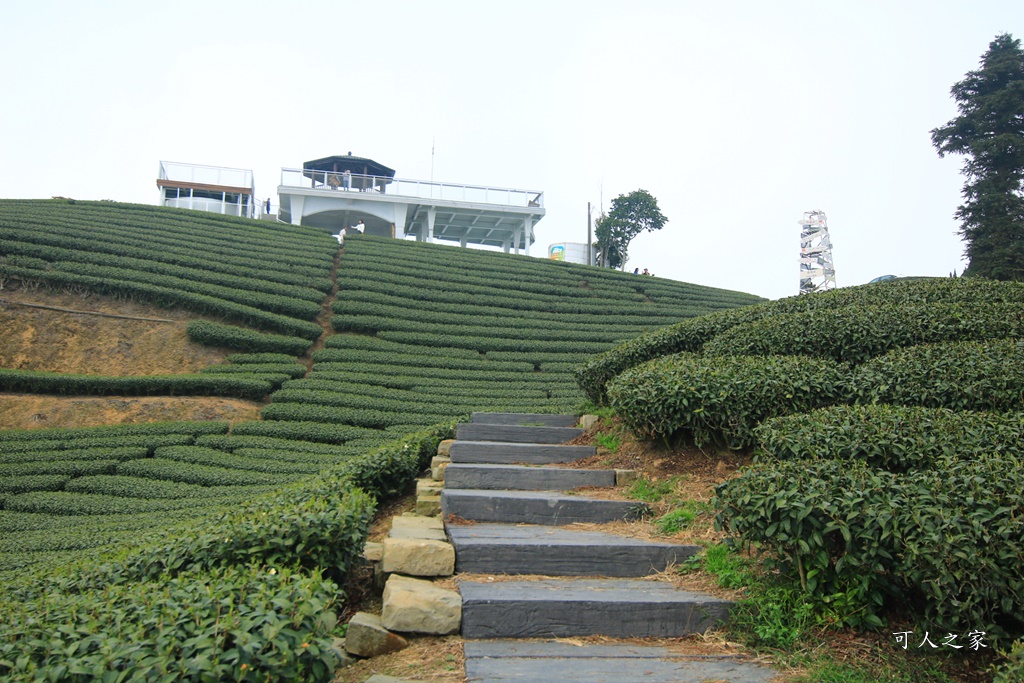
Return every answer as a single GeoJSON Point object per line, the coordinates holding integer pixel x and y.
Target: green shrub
{"type": "Point", "coordinates": [114, 431]}
{"type": "Point", "coordinates": [946, 540]}
{"type": "Point", "coordinates": [135, 487]}
{"type": "Point", "coordinates": [191, 473]}
{"type": "Point", "coordinates": [318, 432]}
{"type": "Point", "coordinates": [958, 375]}
{"type": "Point", "coordinates": [247, 623]}
{"type": "Point", "coordinates": [856, 334]}
{"type": "Point", "coordinates": [232, 337]}
{"type": "Point", "coordinates": [32, 482]}
{"type": "Point", "coordinates": [691, 335]}
{"type": "Point", "coordinates": [828, 524]}
{"type": "Point", "coordinates": [30, 381]}
{"type": "Point", "coordinates": [721, 399]}
{"type": "Point", "coordinates": [894, 438]}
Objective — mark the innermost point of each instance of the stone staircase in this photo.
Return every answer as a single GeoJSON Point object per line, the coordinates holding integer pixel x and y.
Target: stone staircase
{"type": "Point", "coordinates": [507, 510]}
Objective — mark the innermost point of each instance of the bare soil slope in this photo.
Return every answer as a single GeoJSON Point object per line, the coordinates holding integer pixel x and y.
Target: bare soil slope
{"type": "Point", "coordinates": [58, 341]}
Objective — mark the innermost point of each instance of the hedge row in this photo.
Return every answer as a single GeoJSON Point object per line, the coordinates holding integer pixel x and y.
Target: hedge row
{"type": "Point", "coordinates": [368, 324]}
{"type": "Point", "coordinates": [691, 335]}
{"type": "Point", "coordinates": [78, 454]}
{"type": "Point", "coordinates": [495, 343]}
{"type": "Point", "coordinates": [259, 358]}
{"type": "Point", "coordinates": [498, 305]}
{"type": "Point", "coordinates": [192, 428]}
{"type": "Point", "coordinates": [948, 538]}
{"type": "Point", "coordinates": [431, 361]}
{"type": "Point", "coordinates": [350, 307]}
{"type": "Point", "coordinates": [199, 455]}
{"type": "Point", "coordinates": [985, 375]}
{"type": "Point", "coordinates": [136, 487]}
{"type": "Point", "coordinates": [367, 343]}
{"type": "Point", "coordinates": [239, 623]}
{"type": "Point", "coordinates": [235, 441]}
{"type": "Point", "coordinates": [163, 296]}
{"type": "Point", "coordinates": [191, 473]}
{"type": "Point", "coordinates": [420, 395]}
{"type": "Point", "coordinates": [894, 438]}
{"type": "Point", "coordinates": [76, 504]}
{"type": "Point", "coordinates": [855, 335]}
{"type": "Point", "coordinates": [242, 386]}
{"type": "Point", "coordinates": [108, 238]}
{"type": "Point", "coordinates": [304, 431]}
{"type": "Point", "coordinates": [45, 254]}
{"type": "Point", "coordinates": [288, 370]}
{"type": "Point", "coordinates": [303, 309]}
{"type": "Point", "coordinates": [371, 419]}
{"type": "Point", "coordinates": [41, 449]}
{"type": "Point", "coordinates": [722, 399]}
{"type": "Point", "coordinates": [432, 405]}
{"type": "Point", "coordinates": [218, 334]}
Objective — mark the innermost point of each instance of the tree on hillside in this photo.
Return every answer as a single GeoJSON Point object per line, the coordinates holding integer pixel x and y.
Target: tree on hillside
{"type": "Point", "coordinates": [630, 215]}
{"type": "Point", "coordinates": [990, 132]}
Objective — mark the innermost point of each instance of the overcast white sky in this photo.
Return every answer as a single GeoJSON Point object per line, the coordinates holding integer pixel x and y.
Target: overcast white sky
{"type": "Point", "coordinates": [737, 116]}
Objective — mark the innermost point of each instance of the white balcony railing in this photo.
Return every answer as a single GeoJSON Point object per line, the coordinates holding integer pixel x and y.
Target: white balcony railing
{"type": "Point", "coordinates": [207, 175]}
{"type": "Point", "coordinates": [403, 187]}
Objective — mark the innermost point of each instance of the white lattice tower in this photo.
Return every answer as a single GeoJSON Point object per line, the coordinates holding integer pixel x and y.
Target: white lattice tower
{"type": "Point", "coordinates": [817, 273]}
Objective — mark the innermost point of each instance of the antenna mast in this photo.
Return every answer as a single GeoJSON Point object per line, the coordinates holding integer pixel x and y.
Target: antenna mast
{"type": "Point", "coordinates": [817, 273]}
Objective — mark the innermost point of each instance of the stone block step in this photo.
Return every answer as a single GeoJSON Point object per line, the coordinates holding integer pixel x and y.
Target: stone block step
{"type": "Point", "coordinates": [511, 453]}
{"type": "Point", "coordinates": [504, 661]}
{"type": "Point", "coordinates": [556, 551]}
{"type": "Point", "coordinates": [523, 419]}
{"type": "Point", "coordinates": [534, 507]}
{"type": "Point", "coordinates": [515, 433]}
{"type": "Point", "coordinates": [564, 608]}
{"type": "Point", "coordinates": [517, 477]}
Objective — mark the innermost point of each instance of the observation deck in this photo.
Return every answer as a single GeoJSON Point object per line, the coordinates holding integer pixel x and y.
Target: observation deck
{"type": "Point", "coordinates": [214, 189]}
{"type": "Point", "coordinates": [397, 207]}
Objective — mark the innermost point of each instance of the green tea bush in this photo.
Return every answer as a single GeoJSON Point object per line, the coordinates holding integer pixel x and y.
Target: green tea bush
{"type": "Point", "coordinates": [318, 432]}
{"type": "Point", "coordinates": [135, 487]}
{"type": "Point", "coordinates": [691, 335]}
{"type": "Point", "coordinates": [986, 375]}
{"type": "Point", "coordinates": [88, 447]}
{"type": "Point", "coordinates": [219, 334]}
{"type": "Point", "coordinates": [71, 454]}
{"type": "Point", "coordinates": [856, 334]}
{"type": "Point", "coordinates": [894, 438]}
{"type": "Point", "coordinates": [30, 381]}
{"type": "Point", "coordinates": [260, 358]}
{"type": "Point", "coordinates": [191, 473]}
{"type": "Point", "coordinates": [722, 399]}
{"type": "Point", "coordinates": [947, 540]}
{"type": "Point", "coordinates": [234, 623]}
{"type": "Point", "coordinates": [961, 546]}
{"type": "Point", "coordinates": [829, 524]}
{"type": "Point", "coordinates": [32, 482]}
{"type": "Point", "coordinates": [209, 456]}
{"type": "Point", "coordinates": [115, 431]}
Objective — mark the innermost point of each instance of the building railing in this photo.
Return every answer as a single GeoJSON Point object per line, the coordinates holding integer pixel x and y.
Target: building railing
{"type": "Point", "coordinates": [403, 187]}
{"type": "Point", "coordinates": [206, 175]}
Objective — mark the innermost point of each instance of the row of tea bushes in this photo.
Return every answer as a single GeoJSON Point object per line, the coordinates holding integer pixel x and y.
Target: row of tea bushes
{"type": "Point", "coordinates": [722, 399]}
{"type": "Point", "coordinates": [893, 327]}
{"type": "Point", "coordinates": [211, 264]}
{"type": "Point", "coordinates": [245, 384]}
{"type": "Point", "coordinates": [222, 573]}
{"type": "Point", "coordinates": [429, 332]}
{"type": "Point", "coordinates": [945, 539]}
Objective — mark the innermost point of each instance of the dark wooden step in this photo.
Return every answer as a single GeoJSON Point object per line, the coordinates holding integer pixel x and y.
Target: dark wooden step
{"type": "Point", "coordinates": [525, 419]}
{"type": "Point", "coordinates": [534, 507]}
{"type": "Point", "coordinates": [562, 608]}
{"type": "Point", "coordinates": [517, 477]}
{"type": "Point", "coordinates": [554, 551]}
{"type": "Point", "coordinates": [511, 453]}
{"type": "Point", "coordinates": [530, 661]}
{"type": "Point", "coordinates": [514, 433]}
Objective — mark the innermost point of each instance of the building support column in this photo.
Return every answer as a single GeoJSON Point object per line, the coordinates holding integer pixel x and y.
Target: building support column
{"type": "Point", "coordinates": [527, 234]}
{"type": "Point", "coordinates": [431, 217]}
{"type": "Point", "coordinates": [507, 244]}
{"type": "Point", "coordinates": [298, 202]}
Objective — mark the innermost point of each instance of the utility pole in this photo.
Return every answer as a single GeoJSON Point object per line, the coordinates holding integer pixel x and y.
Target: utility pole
{"type": "Point", "coordinates": [590, 240]}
